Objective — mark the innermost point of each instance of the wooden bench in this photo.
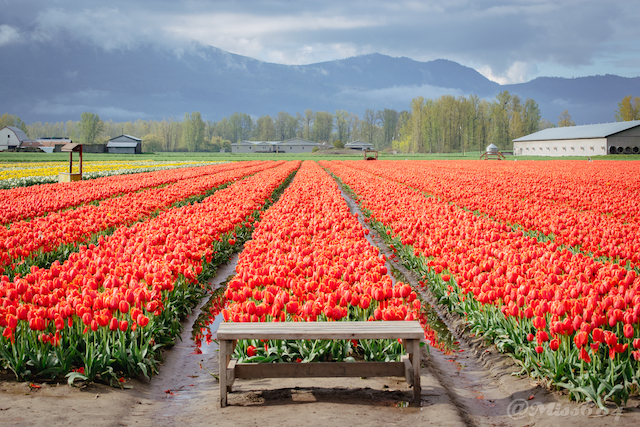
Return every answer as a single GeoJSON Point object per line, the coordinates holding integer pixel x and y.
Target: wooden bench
{"type": "Point", "coordinates": [410, 332]}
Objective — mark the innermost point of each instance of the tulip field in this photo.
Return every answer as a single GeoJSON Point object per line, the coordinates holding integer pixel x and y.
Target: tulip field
{"type": "Point", "coordinates": [36, 241]}
{"type": "Point", "coordinates": [107, 309]}
{"type": "Point", "coordinates": [546, 276]}
{"type": "Point", "coordinates": [20, 174]}
{"type": "Point", "coordinates": [309, 260]}
{"type": "Point", "coordinates": [542, 259]}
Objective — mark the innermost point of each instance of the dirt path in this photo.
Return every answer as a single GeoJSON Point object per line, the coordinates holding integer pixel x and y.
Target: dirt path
{"type": "Point", "coordinates": [473, 386]}
{"type": "Point", "coordinates": [186, 394]}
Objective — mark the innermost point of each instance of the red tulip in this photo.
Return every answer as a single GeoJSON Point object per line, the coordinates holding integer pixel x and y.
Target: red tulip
{"type": "Point", "coordinates": [142, 320]}
{"type": "Point", "coordinates": [542, 336]}
{"type": "Point", "coordinates": [123, 306]}
{"type": "Point", "coordinates": [251, 351]}
{"type": "Point", "coordinates": [113, 324]}
{"type": "Point", "coordinates": [598, 335]}
{"type": "Point", "coordinates": [581, 339]}
{"type": "Point", "coordinates": [610, 338]}
{"type": "Point", "coordinates": [293, 307]}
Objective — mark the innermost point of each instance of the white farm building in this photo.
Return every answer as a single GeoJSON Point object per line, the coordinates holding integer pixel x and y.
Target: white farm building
{"type": "Point", "coordinates": [294, 145]}
{"type": "Point", "coordinates": [11, 138]}
{"type": "Point", "coordinates": [587, 140]}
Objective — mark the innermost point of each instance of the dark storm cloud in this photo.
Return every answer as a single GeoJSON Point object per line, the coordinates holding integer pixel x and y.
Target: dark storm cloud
{"type": "Point", "coordinates": [506, 40]}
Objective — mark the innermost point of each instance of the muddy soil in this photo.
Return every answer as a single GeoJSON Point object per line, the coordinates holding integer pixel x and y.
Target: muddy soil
{"type": "Point", "coordinates": [473, 386]}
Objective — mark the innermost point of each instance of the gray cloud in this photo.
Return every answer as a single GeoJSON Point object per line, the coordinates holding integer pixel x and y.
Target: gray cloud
{"type": "Point", "coordinates": [9, 35]}
{"type": "Point", "coordinates": [397, 94]}
{"type": "Point", "coordinates": [66, 110]}
{"type": "Point", "coordinates": [507, 40]}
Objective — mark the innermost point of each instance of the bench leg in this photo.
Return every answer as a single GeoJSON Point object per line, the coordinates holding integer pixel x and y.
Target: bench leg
{"type": "Point", "coordinates": [414, 355]}
{"type": "Point", "coordinates": [223, 361]}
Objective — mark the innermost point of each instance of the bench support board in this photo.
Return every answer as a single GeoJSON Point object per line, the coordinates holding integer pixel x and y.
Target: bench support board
{"type": "Point", "coordinates": [409, 366]}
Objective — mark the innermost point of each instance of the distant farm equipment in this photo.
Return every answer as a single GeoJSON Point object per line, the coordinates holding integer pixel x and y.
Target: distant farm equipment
{"type": "Point", "coordinates": [492, 151]}
{"type": "Point", "coordinates": [370, 154]}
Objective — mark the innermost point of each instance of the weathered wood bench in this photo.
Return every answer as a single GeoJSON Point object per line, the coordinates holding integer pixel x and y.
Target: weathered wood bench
{"type": "Point", "coordinates": [410, 332]}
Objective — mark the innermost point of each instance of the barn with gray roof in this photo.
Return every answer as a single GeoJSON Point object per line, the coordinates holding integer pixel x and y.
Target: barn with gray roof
{"type": "Point", "coordinates": [124, 144]}
{"type": "Point", "coordinates": [587, 140]}
{"type": "Point", "coordinates": [11, 138]}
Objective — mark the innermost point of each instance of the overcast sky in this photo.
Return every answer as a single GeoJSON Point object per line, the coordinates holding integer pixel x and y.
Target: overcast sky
{"type": "Point", "coordinates": [509, 41]}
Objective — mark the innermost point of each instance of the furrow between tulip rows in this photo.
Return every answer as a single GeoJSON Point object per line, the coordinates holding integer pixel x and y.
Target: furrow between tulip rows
{"type": "Point", "coordinates": [565, 316]}
{"type": "Point", "coordinates": [28, 202]}
{"type": "Point", "coordinates": [309, 260]}
{"type": "Point", "coordinates": [106, 310]}
{"type": "Point", "coordinates": [588, 213]}
{"type": "Point", "coordinates": [41, 239]}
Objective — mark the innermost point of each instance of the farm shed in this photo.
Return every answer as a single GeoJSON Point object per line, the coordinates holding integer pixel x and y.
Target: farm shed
{"type": "Point", "coordinates": [586, 140]}
{"type": "Point", "coordinates": [294, 145]}
{"type": "Point", "coordinates": [11, 138]}
{"type": "Point", "coordinates": [29, 146]}
{"type": "Point", "coordinates": [253, 147]}
{"type": "Point", "coordinates": [359, 145]}
{"type": "Point", "coordinates": [52, 145]}
{"type": "Point", "coordinates": [124, 144]}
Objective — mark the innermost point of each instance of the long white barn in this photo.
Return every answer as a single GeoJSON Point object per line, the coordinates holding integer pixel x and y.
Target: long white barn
{"type": "Point", "coordinates": [294, 145]}
{"type": "Point", "coordinates": [587, 140]}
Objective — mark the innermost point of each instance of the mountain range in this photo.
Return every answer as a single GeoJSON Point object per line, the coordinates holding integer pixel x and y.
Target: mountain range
{"type": "Point", "coordinates": [57, 83]}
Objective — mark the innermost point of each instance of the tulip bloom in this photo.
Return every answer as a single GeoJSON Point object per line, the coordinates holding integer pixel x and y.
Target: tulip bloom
{"type": "Point", "coordinates": [252, 351]}
{"type": "Point", "coordinates": [581, 339]}
{"type": "Point", "coordinates": [628, 331]}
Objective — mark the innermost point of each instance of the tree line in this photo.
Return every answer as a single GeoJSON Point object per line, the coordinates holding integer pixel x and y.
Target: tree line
{"type": "Point", "coordinates": [442, 125]}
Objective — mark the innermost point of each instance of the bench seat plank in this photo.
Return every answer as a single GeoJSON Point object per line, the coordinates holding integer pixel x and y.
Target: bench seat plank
{"type": "Point", "coordinates": [320, 330]}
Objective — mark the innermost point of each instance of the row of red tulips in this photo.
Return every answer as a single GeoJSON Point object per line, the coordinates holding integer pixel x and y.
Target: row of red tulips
{"type": "Point", "coordinates": [309, 260]}
{"type": "Point", "coordinates": [591, 207]}
{"type": "Point", "coordinates": [108, 307]}
{"type": "Point", "coordinates": [567, 317]}
{"type": "Point", "coordinates": [43, 235]}
{"type": "Point", "coordinates": [27, 202]}
{"type": "Point", "coordinates": [608, 187]}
